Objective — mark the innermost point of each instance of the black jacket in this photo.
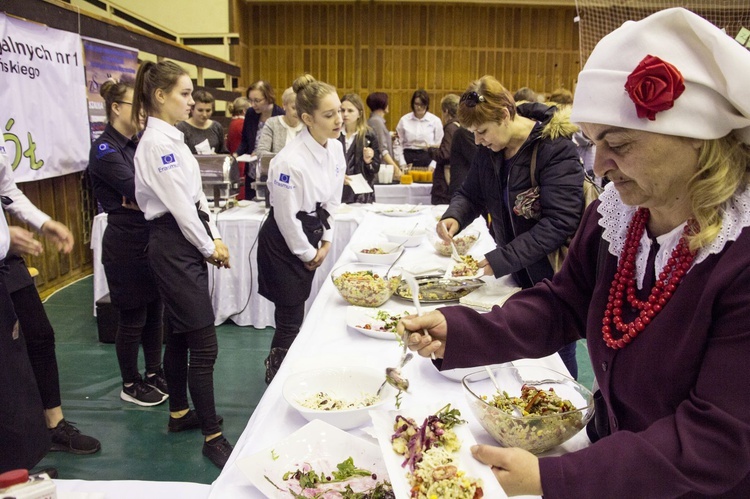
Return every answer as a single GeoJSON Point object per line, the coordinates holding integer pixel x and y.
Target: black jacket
{"type": "Point", "coordinates": [494, 182]}
{"type": "Point", "coordinates": [355, 163]}
{"type": "Point", "coordinates": [250, 129]}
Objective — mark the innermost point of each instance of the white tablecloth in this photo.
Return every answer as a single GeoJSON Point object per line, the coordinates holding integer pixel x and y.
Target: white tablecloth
{"type": "Point", "coordinates": [325, 340]}
{"type": "Point", "coordinates": [234, 291]}
{"type": "Point", "coordinates": [129, 489]}
{"type": "Point", "coordinates": [403, 194]}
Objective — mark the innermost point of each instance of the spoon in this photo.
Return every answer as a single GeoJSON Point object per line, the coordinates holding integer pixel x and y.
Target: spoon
{"type": "Point", "coordinates": [393, 374]}
{"type": "Point", "coordinates": [516, 410]}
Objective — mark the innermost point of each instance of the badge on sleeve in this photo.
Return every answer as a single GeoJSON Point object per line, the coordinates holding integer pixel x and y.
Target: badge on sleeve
{"type": "Point", "coordinates": [103, 149]}
{"type": "Point", "coordinates": [168, 161]}
{"type": "Point", "coordinates": [284, 181]}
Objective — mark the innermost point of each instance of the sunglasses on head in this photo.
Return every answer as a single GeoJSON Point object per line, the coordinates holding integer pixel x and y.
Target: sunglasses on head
{"type": "Point", "coordinates": [471, 99]}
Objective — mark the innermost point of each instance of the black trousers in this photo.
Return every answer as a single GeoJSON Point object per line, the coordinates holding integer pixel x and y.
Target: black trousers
{"type": "Point", "coordinates": [189, 361]}
{"type": "Point", "coordinates": [288, 322]}
{"type": "Point", "coordinates": [141, 324]}
{"type": "Point", "coordinates": [24, 439]}
{"type": "Point", "coordinates": [40, 343]}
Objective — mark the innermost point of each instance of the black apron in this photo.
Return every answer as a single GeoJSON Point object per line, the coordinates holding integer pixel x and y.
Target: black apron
{"type": "Point", "coordinates": [181, 274]}
{"type": "Point", "coordinates": [131, 283]}
{"type": "Point", "coordinates": [417, 157]}
{"type": "Point", "coordinates": [282, 277]}
{"type": "Point", "coordinates": [16, 274]}
{"type": "Point", "coordinates": [24, 439]}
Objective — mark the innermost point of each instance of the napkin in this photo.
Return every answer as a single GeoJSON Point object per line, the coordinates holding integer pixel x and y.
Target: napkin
{"type": "Point", "coordinates": [203, 147]}
{"type": "Point", "coordinates": [491, 294]}
{"type": "Point", "coordinates": [358, 184]}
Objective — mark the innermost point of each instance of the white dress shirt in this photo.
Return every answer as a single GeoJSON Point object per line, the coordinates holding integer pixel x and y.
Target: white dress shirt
{"type": "Point", "coordinates": [302, 174]}
{"type": "Point", "coordinates": [419, 133]}
{"type": "Point", "coordinates": [168, 179]}
{"type": "Point", "coordinates": [4, 236]}
{"type": "Point", "coordinates": [21, 206]}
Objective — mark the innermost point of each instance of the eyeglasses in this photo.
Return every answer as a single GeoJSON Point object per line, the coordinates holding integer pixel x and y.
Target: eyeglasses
{"type": "Point", "coordinates": [257, 101]}
{"type": "Point", "coordinates": [471, 99]}
{"type": "Point", "coordinates": [420, 104]}
{"type": "Point", "coordinates": [123, 102]}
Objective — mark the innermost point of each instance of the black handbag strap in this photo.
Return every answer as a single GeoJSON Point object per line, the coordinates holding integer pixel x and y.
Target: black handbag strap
{"type": "Point", "coordinates": [532, 166]}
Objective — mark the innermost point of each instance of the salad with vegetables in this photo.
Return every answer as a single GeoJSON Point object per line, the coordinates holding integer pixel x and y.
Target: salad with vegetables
{"type": "Point", "coordinates": [347, 481]}
{"type": "Point", "coordinates": [429, 450]}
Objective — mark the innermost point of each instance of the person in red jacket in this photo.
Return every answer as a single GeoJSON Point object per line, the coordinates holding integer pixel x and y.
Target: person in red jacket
{"type": "Point", "coordinates": [657, 279]}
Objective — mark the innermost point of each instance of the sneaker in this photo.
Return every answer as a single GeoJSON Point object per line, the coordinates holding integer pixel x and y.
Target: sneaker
{"type": "Point", "coordinates": [189, 421]}
{"type": "Point", "coordinates": [157, 381]}
{"type": "Point", "coordinates": [67, 438]}
{"type": "Point", "coordinates": [142, 394]}
{"type": "Point", "coordinates": [218, 451]}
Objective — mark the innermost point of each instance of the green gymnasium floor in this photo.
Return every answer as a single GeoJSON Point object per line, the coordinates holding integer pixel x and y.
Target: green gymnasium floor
{"type": "Point", "coordinates": [135, 442]}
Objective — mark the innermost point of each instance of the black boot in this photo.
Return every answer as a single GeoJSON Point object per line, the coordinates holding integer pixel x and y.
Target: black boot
{"type": "Point", "coordinates": [273, 362]}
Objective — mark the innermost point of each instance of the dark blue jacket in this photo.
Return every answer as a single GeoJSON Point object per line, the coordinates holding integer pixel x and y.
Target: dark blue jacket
{"type": "Point", "coordinates": [523, 244]}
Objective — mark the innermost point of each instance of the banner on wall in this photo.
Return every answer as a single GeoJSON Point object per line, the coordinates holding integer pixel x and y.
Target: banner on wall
{"type": "Point", "coordinates": [104, 61]}
{"type": "Point", "coordinates": [42, 100]}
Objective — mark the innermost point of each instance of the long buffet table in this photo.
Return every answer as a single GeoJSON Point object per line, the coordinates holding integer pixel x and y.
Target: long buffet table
{"type": "Point", "coordinates": [128, 489]}
{"type": "Point", "coordinates": [325, 340]}
{"type": "Point", "coordinates": [234, 291]}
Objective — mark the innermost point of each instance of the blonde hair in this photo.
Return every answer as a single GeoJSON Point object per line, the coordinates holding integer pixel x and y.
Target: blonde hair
{"type": "Point", "coordinates": [361, 124]}
{"type": "Point", "coordinates": [239, 106]}
{"type": "Point", "coordinates": [309, 93]}
{"type": "Point", "coordinates": [497, 101]}
{"type": "Point", "coordinates": [288, 96]}
{"type": "Point", "coordinates": [449, 105]}
{"type": "Point", "coordinates": [724, 167]}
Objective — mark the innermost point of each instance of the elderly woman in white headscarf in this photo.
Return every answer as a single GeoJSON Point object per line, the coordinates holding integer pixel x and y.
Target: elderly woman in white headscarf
{"type": "Point", "coordinates": [657, 278]}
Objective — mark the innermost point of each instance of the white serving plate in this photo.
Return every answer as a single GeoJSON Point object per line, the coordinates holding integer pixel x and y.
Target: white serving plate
{"type": "Point", "coordinates": [383, 424]}
{"type": "Point", "coordinates": [318, 444]}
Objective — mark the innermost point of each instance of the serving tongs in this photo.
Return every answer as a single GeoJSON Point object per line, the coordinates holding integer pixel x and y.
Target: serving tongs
{"type": "Point", "coordinates": [451, 284]}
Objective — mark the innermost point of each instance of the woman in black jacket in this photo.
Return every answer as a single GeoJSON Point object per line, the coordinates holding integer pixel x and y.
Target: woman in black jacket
{"type": "Point", "coordinates": [360, 143]}
{"type": "Point", "coordinates": [263, 101]}
{"type": "Point", "coordinates": [529, 220]}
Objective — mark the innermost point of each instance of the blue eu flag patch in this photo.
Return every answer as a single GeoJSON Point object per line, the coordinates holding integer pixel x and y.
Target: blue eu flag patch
{"type": "Point", "coordinates": [283, 177]}
{"type": "Point", "coordinates": [103, 149]}
{"type": "Point", "coordinates": [167, 159]}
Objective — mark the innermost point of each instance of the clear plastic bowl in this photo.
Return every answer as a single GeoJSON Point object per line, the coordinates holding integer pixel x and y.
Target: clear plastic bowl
{"type": "Point", "coordinates": [366, 285]}
{"type": "Point", "coordinates": [533, 433]}
{"type": "Point", "coordinates": [464, 241]}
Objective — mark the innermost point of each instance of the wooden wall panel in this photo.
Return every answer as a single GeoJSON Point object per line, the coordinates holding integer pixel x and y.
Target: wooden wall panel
{"type": "Point", "coordinates": [63, 200]}
{"type": "Point", "coordinates": [396, 48]}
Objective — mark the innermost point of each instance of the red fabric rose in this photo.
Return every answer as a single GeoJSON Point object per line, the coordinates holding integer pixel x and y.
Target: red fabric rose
{"type": "Point", "coordinates": [653, 86]}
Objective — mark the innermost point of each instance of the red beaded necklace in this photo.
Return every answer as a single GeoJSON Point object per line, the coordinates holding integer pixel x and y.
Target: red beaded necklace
{"type": "Point", "coordinates": [623, 285]}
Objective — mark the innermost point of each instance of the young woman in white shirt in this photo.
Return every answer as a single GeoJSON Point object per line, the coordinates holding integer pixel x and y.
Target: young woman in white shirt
{"type": "Point", "coordinates": [305, 181]}
{"type": "Point", "coordinates": [182, 239]}
{"type": "Point", "coordinates": [419, 130]}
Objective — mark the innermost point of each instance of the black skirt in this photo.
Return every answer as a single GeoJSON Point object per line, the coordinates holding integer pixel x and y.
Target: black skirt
{"type": "Point", "coordinates": [282, 277]}
{"type": "Point", "coordinates": [131, 283]}
{"type": "Point", "coordinates": [181, 275]}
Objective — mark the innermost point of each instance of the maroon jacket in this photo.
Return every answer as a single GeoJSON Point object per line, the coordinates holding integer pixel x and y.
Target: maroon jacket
{"type": "Point", "coordinates": [678, 395]}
